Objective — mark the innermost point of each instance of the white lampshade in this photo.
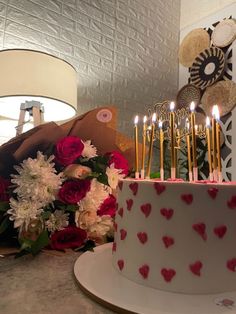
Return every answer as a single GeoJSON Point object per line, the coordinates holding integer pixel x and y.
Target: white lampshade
{"type": "Point", "coordinates": [28, 75]}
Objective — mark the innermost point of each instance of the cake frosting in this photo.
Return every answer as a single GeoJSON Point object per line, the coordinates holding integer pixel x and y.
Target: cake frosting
{"type": "Point", "coordinates": [176, 236]}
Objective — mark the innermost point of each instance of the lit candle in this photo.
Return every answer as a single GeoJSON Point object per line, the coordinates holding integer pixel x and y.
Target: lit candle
{"type": "Point", "coordinates": [194, 143]}
{"type": "Point", "coordinates": [136, 146]}
{"type": "Point", "coordinates": [217, 117]}
{"type": "Point", "coordinates": [172, 140]}
{"type": "Point", "coordinates": [154, 117]}
{"type": "Point", "coordinates": [161, 151]}
{"type": "Point", "coordinates": [190, 173]}
{"type": "Point", "coordinates": [213, 128]}
{"type": "Point", "coordinates": [208, 138]}
{"type": "Point", "coordinates": [144, 146]}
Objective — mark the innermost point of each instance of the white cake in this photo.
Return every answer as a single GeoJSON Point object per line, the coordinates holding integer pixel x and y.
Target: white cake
{"type": "Point", "coordinates": [177, 236]}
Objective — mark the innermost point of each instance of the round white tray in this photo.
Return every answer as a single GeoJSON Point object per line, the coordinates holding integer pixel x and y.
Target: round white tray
{"type": "Point", "coordinates": [97, 277]}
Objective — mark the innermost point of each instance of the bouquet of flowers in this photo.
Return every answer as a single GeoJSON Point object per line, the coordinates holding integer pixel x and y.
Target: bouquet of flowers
{"type": "Point", "coordinates": [61, 199]}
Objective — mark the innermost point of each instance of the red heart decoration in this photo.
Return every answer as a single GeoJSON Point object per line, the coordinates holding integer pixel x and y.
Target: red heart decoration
{"type": "Point", "coordinates": [196, 268]}
{"type": "Point", "coordinates": [231, 264]}
{"type": "Point", "coordinates": [160, 188]}
{"type": "Point", "coordinates": [144, 270]}
{"type": "Point", "coordinates": [129, 204]}
{"type": "Point", "coordinates": [120, 185]}
{"type": "Point", "coordinates": [121, 212]}
{"type": "Point", "coordinates": [114, 247]}
{"type": "Point", "coordinates": [121, 264]}
{"type": "Point", "coordinates": [232, 203]}
{"type": "Point", "coordinates": [200, 228]}
{"type": "Point", "coordinates": [146, 209]}
{"type": "Point", "coordinates": [134, 187]}
{"type": "Point", "coordinates": [142, 237]}
{"type": "Point", "coordinates": [168, 274]}
{"type": "Point", "coordinates": [115, 226]}
{"type": "Point", "coordinates": [123, 234]}
{"type": "Point", "coordinates": [187, 198]}
{"type": "Point", "coordinates": [212, 192]}
{"type": "Point", "coordinates": [168, 241]}
{"type": "Point", "coordinates": [220, 231]}
{"type": "Point", "coordinates": [167, 212]}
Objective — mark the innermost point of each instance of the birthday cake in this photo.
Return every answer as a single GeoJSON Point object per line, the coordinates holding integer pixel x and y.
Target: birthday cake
{"type": "Point", "coordinates": [177, 236]}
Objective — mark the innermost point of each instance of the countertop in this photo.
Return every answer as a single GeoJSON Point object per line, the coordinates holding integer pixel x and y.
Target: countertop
{"type": "Point", "coordinates": [44, 284]}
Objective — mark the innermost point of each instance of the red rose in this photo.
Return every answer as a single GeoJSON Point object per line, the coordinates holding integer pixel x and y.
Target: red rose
{"type": "Point", "coordinates": [119, 161]}
{"type": "Point", "coordinates": [72, 192]}
{"type": "Point", "coordinates": [4, 184]}
{"type": "Point", "coordinates": [108, 207]}
{"type": "Point", "coordinates": [68, 238]}
{"type": "Point", "coordinates": [68, 150]}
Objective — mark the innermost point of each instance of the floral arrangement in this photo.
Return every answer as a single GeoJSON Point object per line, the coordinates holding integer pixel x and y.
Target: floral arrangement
{"type": "Point", "coordinates": [61, 199]}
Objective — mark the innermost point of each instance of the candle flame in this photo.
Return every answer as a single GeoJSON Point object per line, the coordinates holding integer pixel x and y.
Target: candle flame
{"type": "Point", "coordinates": [172, 106]}
{"type": "Point", "coordinates": [192, 106]}
{"type": "Point", "coordinates": [215, 112]}
{"type": "Point", "coordinates": [154, 117]}
{"type": "Point", "coordinates": [160, 124]}
{"type": "Point", "coordinates": [196, 127]}
{"type": "Point", "coordinates": [144, 119]}
{"type": "Point", "coordinates": [136, 120]}
{"type": "Point", "coordinates": [208, 123]}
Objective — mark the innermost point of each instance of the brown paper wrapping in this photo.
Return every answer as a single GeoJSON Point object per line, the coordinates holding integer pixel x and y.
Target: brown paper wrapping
{"type": "Point", "coordinates": [103, 135]}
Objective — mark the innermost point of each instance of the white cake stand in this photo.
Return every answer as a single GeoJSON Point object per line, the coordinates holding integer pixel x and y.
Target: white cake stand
{"type": "Point", "coordinates": [97, 277]}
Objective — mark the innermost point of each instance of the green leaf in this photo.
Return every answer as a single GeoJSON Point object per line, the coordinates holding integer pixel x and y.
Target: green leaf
{"type": "Point", "coordinates": [71, 208]}
{"type": "Point", "coordinates": [154, 175]}
{"type": "Point", "coordinates": [40, 243]}
{"type": "Point", "coordinates": [103, 179]}
{"type": "Point", "coordinates": [88, 246]}
{"type": "Point", "coordinates": [4, 206]}
{"type": "Point", "coordinates": [4, 224]}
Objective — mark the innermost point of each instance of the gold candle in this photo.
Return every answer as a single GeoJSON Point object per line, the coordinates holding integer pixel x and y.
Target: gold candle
{"type": "Point", "coordinates": [194, 142]}
{"type": "Point", "coordinates": [190, 173]}
{"type": "Point", "coordinates": [161, 151]}
{"type": "Point", "coordinates": [208, 138]}
{"type": "Point", "coordinates": [219, 167]}
{"type": "Point", "coordinates": [172, 139]}
{"type": "Point", "coordinates": [144, 145]}
{"type": "Point", "coordinates": [214, 144]}
{"type": "Point", "coordinates": [154, 117]}
{"type": "Point", "coordinates": [136, 146]}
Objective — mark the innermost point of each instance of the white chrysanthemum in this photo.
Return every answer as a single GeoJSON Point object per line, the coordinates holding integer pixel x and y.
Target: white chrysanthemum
{"type": "Point", "coordinates": [89, 150]}
{"type": "Point", "coordinates": [57, 221]}
{"type": "Point", "coordinates": [37, 179]}
{"type": "Point", "coordinates": [95, 196]}
{"type": "Point", "coordinates": [114, 175]}
{"type": "Point", "coordinates": [23, 211]}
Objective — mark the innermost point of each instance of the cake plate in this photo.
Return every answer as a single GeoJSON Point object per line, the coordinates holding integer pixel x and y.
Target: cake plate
{"type": "Point", "coordinates": [103, 283]}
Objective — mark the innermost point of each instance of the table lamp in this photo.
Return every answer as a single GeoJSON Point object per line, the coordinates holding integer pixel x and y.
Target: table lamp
{"type": "Point", "coordinates": [36, 83]}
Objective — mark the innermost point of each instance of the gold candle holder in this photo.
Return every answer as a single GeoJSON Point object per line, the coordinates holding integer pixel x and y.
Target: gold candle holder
{"type": "Point", "coordinates": [161, 151]}
{"type": "Point", "coordinates": [172, 140]}
{"type": "Point", "coordinates": [144, 147]}
{"type": "Point", "coordinates": [136, 146]}
{"type": "Point", "coordinates": [188, 143]}
{"type": "Point", "coordinates": [214, 154]}
{"type": "Point", "coordinates": [194, 142]}
{"type": "Point", "coordinates": [208, 139]}
{"type": "Point", "coordinates": [154, 117]}
{"type": "Point", "coordinates": [219, 166]}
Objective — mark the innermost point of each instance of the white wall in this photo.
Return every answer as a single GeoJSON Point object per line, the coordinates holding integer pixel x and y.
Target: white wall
{"type": "Point", "coordinates": [194, 10]}
{"type": "Point", "coordinates": [124, 50]}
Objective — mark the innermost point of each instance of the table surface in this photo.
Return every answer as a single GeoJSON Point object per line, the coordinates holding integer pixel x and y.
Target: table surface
{"type": "Point", "coordinates": [44, 284]}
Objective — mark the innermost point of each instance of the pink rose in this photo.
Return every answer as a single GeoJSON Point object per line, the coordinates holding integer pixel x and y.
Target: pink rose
{"type": "Point", "coordinates": [119, 161]}
{"type": "Point", "coordinates": [68, 149]}
{"type": "Point", "coordinates": [72, 192]}
{"type": "Point", "coordinates": [4, 184]}
{"type": "Point", "coordinates": [108, 207]}
{"type": "Point", "coordinates": [70, 237]}
{"type": "Point", "coordinates": [77, 171]}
